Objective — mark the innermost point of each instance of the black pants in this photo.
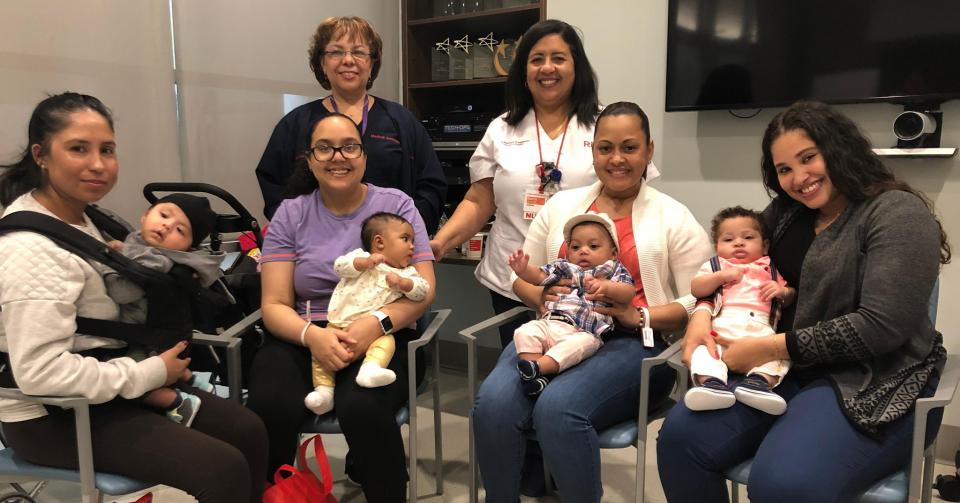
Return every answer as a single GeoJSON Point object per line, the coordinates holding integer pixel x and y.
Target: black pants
{"type": "Point", "coordinates": [280, 379]}
{"type": "Point", "coordinates": [219, 459]}
{"type": "Point", "coordinates": [503, 304]}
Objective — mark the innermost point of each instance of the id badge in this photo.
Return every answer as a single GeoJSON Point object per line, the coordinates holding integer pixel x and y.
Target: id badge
{"type": "Point", "coordinates": [533, 201]}
{"type": "Point", "coordinates": [647, 334]}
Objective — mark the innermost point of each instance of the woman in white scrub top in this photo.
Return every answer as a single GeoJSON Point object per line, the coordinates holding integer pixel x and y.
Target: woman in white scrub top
{"type": "Point", "coordinates": [542, 144]}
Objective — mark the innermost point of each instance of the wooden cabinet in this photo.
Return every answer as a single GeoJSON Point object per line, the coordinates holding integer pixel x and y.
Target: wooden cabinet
{"type": "Point", "coordinates": [423, 29]}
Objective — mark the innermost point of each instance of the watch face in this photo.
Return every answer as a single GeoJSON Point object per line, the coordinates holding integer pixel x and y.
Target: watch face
{"type": "Point", "coordinates": [386, 324]}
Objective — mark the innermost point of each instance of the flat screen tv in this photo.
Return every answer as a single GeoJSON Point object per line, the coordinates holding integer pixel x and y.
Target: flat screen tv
{"type": "Point", "coordinates": [742, 54]}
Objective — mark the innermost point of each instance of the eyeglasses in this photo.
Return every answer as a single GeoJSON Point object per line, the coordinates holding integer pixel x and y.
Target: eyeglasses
{"type": "Point", "coordinates": [550, 176]}
{"type": "Point", "coordinates": [326, 152]}
{"type": "Point", "coordinates": [338, 54]}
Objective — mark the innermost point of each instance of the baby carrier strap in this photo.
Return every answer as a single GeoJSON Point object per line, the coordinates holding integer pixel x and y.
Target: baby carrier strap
{"type": "Point", "coordinates": [774, 306]}
{"type": "Point", "coordinates": [109, 223]}
{"type": "Point", "coordinates": [168, 315]}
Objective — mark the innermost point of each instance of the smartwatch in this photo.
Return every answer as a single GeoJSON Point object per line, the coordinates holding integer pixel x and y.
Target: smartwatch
{"type": "Point", "coordinates": [385, 323]}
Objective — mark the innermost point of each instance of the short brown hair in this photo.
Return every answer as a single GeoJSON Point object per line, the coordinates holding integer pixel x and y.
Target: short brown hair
{"type": "Point", "coordinates": [734, 212]}
{"type": "Point", "coordinates": [335, 27]}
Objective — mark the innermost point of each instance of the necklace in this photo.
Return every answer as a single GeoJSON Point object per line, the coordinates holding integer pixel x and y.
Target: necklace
{"type": "Point", "coordinates": [549, 172]}
{"type": "Point", "coordinates": [363, 117]}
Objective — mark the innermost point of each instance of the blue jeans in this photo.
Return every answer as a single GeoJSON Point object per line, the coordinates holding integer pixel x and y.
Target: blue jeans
{"type": "Point", "coordinates": [599, 392]}
{"type": "Point", "coordinates": [811, 453]}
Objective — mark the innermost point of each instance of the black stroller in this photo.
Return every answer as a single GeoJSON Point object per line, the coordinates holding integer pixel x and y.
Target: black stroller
{"type": "Point", "coordinates": [221, 309]}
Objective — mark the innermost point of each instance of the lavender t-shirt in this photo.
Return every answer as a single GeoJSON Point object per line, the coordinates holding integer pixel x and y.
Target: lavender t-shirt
{"type": "Point", "coordinates": [305, 232]}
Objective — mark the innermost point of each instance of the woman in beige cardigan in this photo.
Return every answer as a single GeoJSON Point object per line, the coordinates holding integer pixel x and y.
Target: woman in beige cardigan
{"type": "Point", "coordinates": [603, 390]}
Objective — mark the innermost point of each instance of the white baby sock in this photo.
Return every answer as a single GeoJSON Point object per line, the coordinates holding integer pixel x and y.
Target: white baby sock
{"type": "Point", "coordinates": [320, 400]}
{"type": "Point", "coordinates": [372, 375]}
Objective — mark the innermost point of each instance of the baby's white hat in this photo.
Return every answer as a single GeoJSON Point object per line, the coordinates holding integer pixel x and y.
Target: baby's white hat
{"type": "Point", "coordinates": [600, 218]}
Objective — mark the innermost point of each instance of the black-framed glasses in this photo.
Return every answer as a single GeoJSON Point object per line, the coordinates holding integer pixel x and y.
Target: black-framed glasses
{"type": "Point", "coordinates": [550, 175]}
{"type": "Point", "coordinates": [326, 152]}
{"type": "Point", "coordinates": [338, 54]}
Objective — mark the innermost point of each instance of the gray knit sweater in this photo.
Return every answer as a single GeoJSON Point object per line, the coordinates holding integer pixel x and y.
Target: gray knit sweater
{"type": "Point", "coordinates": [862, 305]}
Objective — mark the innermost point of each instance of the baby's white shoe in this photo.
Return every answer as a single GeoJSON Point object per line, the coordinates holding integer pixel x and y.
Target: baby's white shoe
{"type": "Point", "coordinates": [713, 394]}
{"type": "Point", "coordinates": [320, 400]}
{"type": "Point", "coordinates": [372, 375]}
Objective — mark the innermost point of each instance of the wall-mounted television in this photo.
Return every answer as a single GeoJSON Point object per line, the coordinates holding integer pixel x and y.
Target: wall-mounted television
{"type": "Point", "coordinates": [742, 54]}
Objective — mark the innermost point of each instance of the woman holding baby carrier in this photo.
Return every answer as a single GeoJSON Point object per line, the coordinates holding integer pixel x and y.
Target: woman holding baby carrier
{"type": "Point", "coordinates": [70, 162]}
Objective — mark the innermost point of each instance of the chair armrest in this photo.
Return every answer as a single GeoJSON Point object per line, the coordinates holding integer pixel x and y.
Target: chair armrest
{"type": "Point", "coordinates": [67, 402]}
{"type": "Point", "coordinates": [503, 318]}
{"type": "Point", "coordinates": [81, 419]}
{"type": "Point", "coordinates": [664, 357]}
{"type": "Point", "coordinates": [237, 329]}
{"type": "Point", "coordinates": [429, 336]}
{"type": "Point", "coordinates": [217, 341]}
{"type": "Point", "coordinates": [230, 339]}
{"type": "Point", "coordinates": [439, 318]}
{"type": "Point", "coordinates": [949, 379]}
{"type": "Point", "coordinates": [470, 335]}
{"type": "Point", "coordinates": [947, 387]}
{"type": "Point", "coordinates": [646, 366]}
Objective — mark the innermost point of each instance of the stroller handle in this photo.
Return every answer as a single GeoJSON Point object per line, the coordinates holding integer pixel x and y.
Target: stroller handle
{"type": "Point", "coordinates": [242, 221]}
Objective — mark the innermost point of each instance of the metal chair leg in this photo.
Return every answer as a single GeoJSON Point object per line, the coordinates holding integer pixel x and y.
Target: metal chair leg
{"type": "Point", "coordinates": [929, 463]}
{"type": "Point", "coordinates": [412, 424]}
{"type": "Point", "coordinates": [437, 437]}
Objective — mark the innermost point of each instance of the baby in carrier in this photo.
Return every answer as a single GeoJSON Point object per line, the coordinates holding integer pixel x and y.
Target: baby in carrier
{"type": "Point", "coordinates": [170, 234]}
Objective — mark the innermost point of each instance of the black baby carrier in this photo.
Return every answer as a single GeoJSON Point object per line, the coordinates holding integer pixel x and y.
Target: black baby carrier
{"type": "Point", "coordinates": [176, 304]}
{"type": "Point", "coordinates": [169, 295]}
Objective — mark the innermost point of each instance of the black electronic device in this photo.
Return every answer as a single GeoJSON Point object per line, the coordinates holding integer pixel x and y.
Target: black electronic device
{"type": "Point", "coordinates": [459, 124]}
{"type": "Point", "coordinates": [755, 54]}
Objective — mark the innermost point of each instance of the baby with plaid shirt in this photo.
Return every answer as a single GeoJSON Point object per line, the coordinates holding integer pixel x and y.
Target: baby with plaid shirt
{"type": "Point", "coordinates": [570, 330]}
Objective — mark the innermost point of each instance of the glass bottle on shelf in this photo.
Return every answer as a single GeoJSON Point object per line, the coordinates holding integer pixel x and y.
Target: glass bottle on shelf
{"type": "Point", "coordinates": [471, 5]}
{"type": "Point", "coordinates": [446, 7]}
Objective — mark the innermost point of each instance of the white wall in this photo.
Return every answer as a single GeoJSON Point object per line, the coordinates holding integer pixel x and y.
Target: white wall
{"type": "Point", "coordinates": [238, 59]}
{"type": "Point", "coordinates": [711, 159]}
{"type": "Point", "coordinates": [116, 50]}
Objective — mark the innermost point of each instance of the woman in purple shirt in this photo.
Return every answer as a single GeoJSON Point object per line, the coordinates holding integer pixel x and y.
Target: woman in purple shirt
{"type": "Point", "coordinates": [318, 222]}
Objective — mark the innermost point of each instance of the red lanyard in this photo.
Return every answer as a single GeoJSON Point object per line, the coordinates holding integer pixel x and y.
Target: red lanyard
{"type": "Point", "coordinates": [556, 165]}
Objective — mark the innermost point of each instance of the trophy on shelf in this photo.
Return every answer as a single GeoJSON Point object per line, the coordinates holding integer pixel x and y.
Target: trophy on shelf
{"type": "Point", "coordinates": [483, 55]}
{"type": "Point", "coordinates": [440, 61]}
{"type": "Point", "coordinates": [461, 61]}
{"type": "Point", "coordinates": [506, 51]}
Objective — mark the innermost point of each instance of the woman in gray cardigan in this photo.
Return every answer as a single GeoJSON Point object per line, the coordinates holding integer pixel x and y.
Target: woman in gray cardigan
{"type": "Point", "coordinates": [864, 250]}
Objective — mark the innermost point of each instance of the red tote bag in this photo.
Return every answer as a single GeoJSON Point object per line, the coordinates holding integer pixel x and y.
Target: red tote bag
{"type": "Point", "coordinates": [301, 486]}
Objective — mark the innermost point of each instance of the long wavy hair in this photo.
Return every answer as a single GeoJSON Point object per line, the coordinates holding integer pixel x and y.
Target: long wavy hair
{"type": "Point", "coordinates": [49, 118]}
{"type": "Point", "coordinates": [854, 169]}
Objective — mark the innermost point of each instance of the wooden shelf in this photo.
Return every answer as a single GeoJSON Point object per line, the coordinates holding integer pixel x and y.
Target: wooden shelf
{"type": "Point", "coordinates": [533, 8]}
{"type": "Point", "coordinates": [915, 153]}
{"type": "Point", "coordinates": [458, 258]}
{"type": "Point", "coordinates": [422, 30]}
{"type": "Point", "coordinates": [457, 83]}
